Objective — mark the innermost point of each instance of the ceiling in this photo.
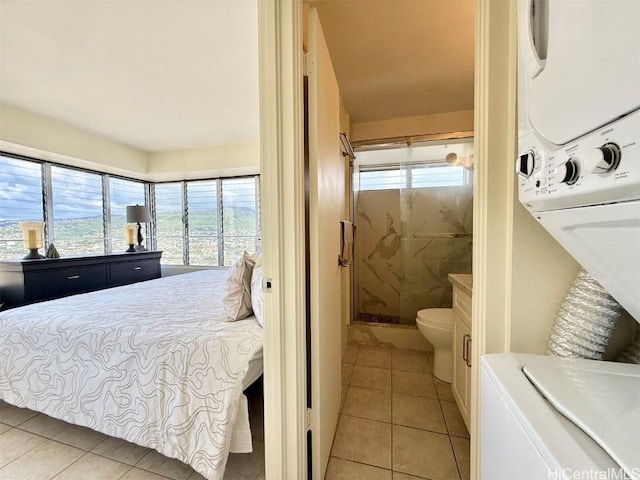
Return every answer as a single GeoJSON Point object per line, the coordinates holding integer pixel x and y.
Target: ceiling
{"type": "Point", "coordinates": [401, 58]}
{"type": "Point", "coordinates": [154, 75]}
{"type": "Point", "coordinates": [177, 74]}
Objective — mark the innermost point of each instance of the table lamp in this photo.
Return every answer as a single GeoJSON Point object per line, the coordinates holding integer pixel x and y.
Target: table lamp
{"type": "Point", "coordinates": [33, 236]}
{"type": "Point", "coordinates": [138, 214]}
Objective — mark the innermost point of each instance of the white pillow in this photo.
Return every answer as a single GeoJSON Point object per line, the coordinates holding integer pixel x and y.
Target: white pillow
{"type": "Point", "coordinates": [237, 288]}
{"type": "Point", "coordinates": [256, 294]}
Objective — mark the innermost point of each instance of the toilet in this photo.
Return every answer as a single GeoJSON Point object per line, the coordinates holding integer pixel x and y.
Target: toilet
{"type": "Point", "coordinates": [436, 325]}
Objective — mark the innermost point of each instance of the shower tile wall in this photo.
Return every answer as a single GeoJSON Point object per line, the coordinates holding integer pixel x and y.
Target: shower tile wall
{"type": "Point", "coordinates": [398, 274]}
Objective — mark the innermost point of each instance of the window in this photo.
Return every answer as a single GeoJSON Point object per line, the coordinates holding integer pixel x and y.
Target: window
{"type": "Point", "coordinates": [199, 222]}
{"type": "Point", "coordinates": [426, 165]}
{"type": "Point", "coordinates": [383, 179]}
{"type": "Point", "coordinates": [219, 221]}
{"type": "Point", "coordinates": [202, 201]}
{"type": "Point", "coordinates": [240, 217]}
{"type": "Point", "coordinates": [20, 199]}
{"type": "Point", "coordinates": [78, 225]}
{"type": "Point", "coordinates": [437, 176]}
{"type": "Point", "coordinates": [413, 176]}
{"type": "Point", "coordinates": [122, 192]}
{"type": "Point", "coordinates": [169, 227]}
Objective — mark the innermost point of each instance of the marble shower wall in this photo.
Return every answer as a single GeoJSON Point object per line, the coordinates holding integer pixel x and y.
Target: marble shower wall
{"type": "Point", "coordinates": [398, 274]}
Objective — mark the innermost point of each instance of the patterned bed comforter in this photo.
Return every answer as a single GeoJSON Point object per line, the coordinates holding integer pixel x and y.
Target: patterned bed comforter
{"type": "Point", "coordinates": [151, 363]}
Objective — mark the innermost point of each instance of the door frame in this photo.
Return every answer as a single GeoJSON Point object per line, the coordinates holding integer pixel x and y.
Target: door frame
{"type": "Point", "coordinates": [282, 193]}
{"type": "Point", "coordinates": [283, 233]}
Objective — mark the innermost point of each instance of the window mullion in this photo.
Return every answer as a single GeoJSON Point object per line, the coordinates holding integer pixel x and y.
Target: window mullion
{"type": "Point", "coordinates": [220, 224]}
{"type": "Point", "coordinates": [185, 224]}
{"type": "Point", "coordinates": [47, 203]}
{"type": "Point", "coordinates": [106, 214]}
{"type": "Point", "coordinates": [150, 200]}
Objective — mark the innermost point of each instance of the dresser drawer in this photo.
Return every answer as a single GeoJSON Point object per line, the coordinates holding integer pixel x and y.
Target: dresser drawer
{"type": "Point", "coordinates": [60, 282]}
{"type": "Point", "coordinates": [130, 272]}
{"type": "Point", "coordinates": [28, 281]}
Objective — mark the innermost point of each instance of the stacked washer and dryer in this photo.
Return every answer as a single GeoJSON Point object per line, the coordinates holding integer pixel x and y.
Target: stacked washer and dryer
{"type": "Point", "coordinates": [546, 417]}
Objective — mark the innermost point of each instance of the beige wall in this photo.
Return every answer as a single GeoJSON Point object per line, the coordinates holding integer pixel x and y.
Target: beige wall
{"type": "Point", "coordinates": [542, 272]}
{"type": "Point", "coordinates": [29, 134]}
{"type": "Point", "coordinates": [26, 133]}
{"type": "Point", "coordinates": [422, 125]}
{"type": "Point", "coordinates": [346, 277]}
{"type": "Point", "coordinates": [224, 161]}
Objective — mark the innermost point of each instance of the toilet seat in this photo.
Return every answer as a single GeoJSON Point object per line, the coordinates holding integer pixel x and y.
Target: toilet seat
{"type": "Point", "coordinates": [436, 317]}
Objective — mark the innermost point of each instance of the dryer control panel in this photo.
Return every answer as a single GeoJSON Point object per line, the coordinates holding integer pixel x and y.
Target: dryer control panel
{"type": "Point", "coordinates": [598, 168]}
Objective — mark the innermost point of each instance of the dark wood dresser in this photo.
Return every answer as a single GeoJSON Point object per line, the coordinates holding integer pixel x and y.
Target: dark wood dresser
{"type": "Point", "coordinates": [29, 281]}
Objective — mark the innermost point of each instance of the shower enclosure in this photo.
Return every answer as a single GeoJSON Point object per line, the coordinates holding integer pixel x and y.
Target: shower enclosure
{"type": "Point", "coordinates": [413, 216]}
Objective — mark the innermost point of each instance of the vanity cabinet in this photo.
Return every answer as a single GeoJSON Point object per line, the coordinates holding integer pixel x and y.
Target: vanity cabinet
{"type": "Point", "coordinates": [461, 384]}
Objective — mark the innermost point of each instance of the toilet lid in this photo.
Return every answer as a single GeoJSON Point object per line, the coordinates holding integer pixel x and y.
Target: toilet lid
{"type": "Point", "coordinates": [437, 317]}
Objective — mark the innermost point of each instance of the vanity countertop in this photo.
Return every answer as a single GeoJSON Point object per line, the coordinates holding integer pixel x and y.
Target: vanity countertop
{"type": "Point", "coordinates": [464, 281]}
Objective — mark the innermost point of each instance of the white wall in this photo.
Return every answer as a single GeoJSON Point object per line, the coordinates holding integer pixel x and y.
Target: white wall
{"type": "Point", "coordinates": [33, 135]}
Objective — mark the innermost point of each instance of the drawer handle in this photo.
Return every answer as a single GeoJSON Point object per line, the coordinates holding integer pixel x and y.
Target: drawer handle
{"type": "Point", "coordinates": [137, 268]}
{"type": "Point", "coordinates": [73, 277]}
{"type": "Point", "coordinates": [464, 348]}
{"type": "Point", "coordinates": [467, 355]}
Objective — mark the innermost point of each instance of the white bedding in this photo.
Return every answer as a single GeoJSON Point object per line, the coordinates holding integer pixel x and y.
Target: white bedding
{"type": "Point", "coordinates": [150, 362]}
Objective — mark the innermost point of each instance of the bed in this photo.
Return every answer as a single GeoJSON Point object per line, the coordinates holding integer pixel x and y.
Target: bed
{"type": "Point", "coordinates": [155, 363]}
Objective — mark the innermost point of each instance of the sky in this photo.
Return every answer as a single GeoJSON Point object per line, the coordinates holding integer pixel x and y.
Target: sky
{"type": "Point", "coordinates": [78, 194]}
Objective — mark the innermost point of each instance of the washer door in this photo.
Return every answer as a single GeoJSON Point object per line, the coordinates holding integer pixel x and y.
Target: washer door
{"type": "Point", "coordinates": [581, 64]}
{"type": "Point", "coordinates": [605, 240]}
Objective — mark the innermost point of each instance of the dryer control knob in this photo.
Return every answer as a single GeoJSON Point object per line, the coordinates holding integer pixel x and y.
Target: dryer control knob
{"type": "Point", "coordinates": [568, 172]}
{"type": "Point", "coordinates": [525, 164]}
{"type": "Point", "coordinates": [603, 159]}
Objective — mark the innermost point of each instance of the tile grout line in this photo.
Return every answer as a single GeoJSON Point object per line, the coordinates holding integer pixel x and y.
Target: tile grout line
{"type": "Point", "coordinates": [392, 423]}
{"type": "Point", "coordinates": [455, 457]}
{"type": "Point", "coordinates": [92, 452]}
{"type": "Point", "coordinates": [453, 450]}
{"type": "Point", "coordinates": [73, 446]}
{"type": "Point", "coordinates": [23, 453]}
{"type": "Point", "coordinates": [72, 463]}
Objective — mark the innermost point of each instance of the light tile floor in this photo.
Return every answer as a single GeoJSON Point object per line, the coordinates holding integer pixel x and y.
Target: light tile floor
{"type": "Point", "coordinates": [34, 446]}
{"type": "Point", "coordinates": [398, 421]}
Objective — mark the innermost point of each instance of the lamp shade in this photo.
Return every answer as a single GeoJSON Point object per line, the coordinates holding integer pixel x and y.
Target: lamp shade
{"type": "Point", "coordinates": [33, 234]}
{"type": "Point", "coordinates": [138, 214]}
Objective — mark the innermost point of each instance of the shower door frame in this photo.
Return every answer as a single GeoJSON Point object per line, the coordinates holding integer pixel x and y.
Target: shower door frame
{"type": "Point", "coordinates": [386, 144]}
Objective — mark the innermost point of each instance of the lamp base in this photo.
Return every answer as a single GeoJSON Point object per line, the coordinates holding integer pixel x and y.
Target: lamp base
{"type": "Point", "coordinates": [33, 255]}
{"type": "Point", "coordinates": [130, 249]}
{"type": "Point", "coordinates": [141, 248]}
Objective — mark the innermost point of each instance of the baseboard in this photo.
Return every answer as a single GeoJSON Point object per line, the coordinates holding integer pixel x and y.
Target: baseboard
{"type": "Point", "coordinates": [388, 335]}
